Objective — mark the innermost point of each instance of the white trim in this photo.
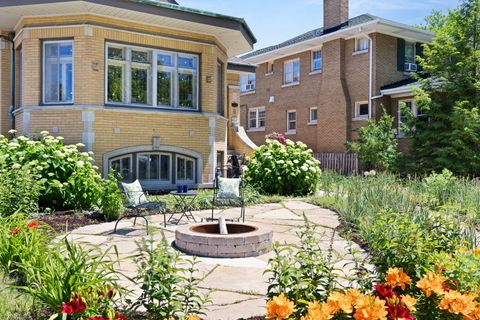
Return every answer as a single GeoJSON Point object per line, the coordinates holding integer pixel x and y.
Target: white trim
{"type": "Point", "coordinates": [256, 130]}
{"type": "Point", "coordinates": [290, 84]}
{"type": "Point", "coordinates": [268, 74]}
{"type": "Point", "coordinates": [247, 93]}
{"type": "Point", "coordinates": [320, 71]}
{"type": "Point", "coordinates": [292, 61]}
{"type": "Point", "coordinates": [310, 120]}
{"type": "Point", "coordinates": [257, 126]}
{"type": "Point", "coordinates": [291, 131]}
{"type": "Point", "coordinates": [356, 50]}
{"type": "Point", "coordinates": [44, 57]}
{"type": "Point", "coordinates": [356, 53]}
{"type": "Point", "coordinates": [357, 115]}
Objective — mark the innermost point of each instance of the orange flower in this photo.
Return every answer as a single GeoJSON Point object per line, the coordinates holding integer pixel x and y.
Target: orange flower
{"type": "Point", "coordinates": [476, 250]}
{"type": "Point", "coordinates": [396, 277]}
{"type": "Point", "coordinates": [338, 301]}
{"type": "Point", "coordinates": [15, 231]}
{"type": "Point", "coordinates": [475, 314]}
{"type": "Point", "coordinates": [409, 302]}
{"type": "Point", "coordinates": [370, 308]}
{"type": "Point", "coordinates": [320, 311]}
{"type": "Point", "coordinates": [192, 317]}
{"type": "Point", "coordinates": [280, 307]}
{"type": "Point", "coordinates": [458, 303]}
{"type": "Point", "coordinates": [33, 224]}
{"type": "Point", "coordinates": [432, 283]}
{"type": "Point", "coordinates": [464, 250]}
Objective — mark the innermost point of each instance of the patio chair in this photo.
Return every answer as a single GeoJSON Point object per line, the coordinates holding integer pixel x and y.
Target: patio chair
{"type": "Point", "coordinates": [137, 202]}
{"type": "Point", "coordinates": [228, 192]}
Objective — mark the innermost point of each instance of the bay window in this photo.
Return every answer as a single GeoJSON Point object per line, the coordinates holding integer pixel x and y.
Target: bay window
{"type": "Point", "coordinates": [58, 72]}
{"type": "Point", "coordinates": [157, 78]}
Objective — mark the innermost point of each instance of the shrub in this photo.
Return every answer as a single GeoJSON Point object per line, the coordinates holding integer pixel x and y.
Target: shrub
{"type": "Point", "coordinates": [71, 181]}
{"type": "Point", "coordinates": [169, 287]}
{"type": "Point", "coordinates": [286, 169]}
{"type": "Point", "coordinates": [439, 187]}
{"type": "Point", "coordinates": [111, 202]}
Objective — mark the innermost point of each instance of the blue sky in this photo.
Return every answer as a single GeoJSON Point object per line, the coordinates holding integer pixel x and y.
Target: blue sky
{"type": "Point", "coordinates": [274, 21]}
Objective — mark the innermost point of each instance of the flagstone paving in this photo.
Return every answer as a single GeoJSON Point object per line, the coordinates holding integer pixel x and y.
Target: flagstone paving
{"type": "Point", "coordinates": [236, 287]}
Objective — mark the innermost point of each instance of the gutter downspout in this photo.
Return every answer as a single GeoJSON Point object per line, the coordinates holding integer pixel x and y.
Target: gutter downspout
{"type": "Point", "coordinates": [11, 118]}
{"type": "Point", "coordinates": [370, 77]}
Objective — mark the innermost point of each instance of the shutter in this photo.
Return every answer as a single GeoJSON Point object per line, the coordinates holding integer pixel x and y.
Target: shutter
{"type": "Point", "coordinates": [419, 52]}
{"type": "Point", "coordinates": [400, 54]}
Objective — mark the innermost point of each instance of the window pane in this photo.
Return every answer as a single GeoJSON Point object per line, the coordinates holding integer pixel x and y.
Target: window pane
{"type": "Point", "coordinates": [253, 118]}
{"type": "Point", "coordinates": [115, 84]}
{"type": "Point", "coordinates": [125, 168]}
{"type": "Point", "coordinates": [313, 114]}
{"type": "Point", "coordinates": [317, 60]}
{"type": "Point", "coordinates": [296, 70]}
{"type": "Point", "coordinates": [180, 169]}
{"type": "Point", "coordinates": [410, 52]}
{"type": "Point", "coordinates": [164, 88]}
{"type": "Point", "coordinates": [115, 165]}
{"type": "Point", "coordinates": [58, 73]}
{"type": "Point", "coordinates": [140, 92]}
{"type": "Point", "coordinates": [189, 170]}
{"type": "Point", "coordinates": [363, 109]}
{"type": "Point", "coordinates": [142, 167]}
{"type": "Point", "coordinates": [165, 60]}
{"type": "Point", "coordinates": [185, 85]}
{"type": "Point", "coordinates": [116, 53]}
{"type": "Point", "coordinates": [187, 62]}
{"type": "Point", "coordinates": [140, 57]}
{"type": "Point", "coordinates": [165, 168]}
{"type": "Point", "coordinates": [261, 118]}
{"type": "Point", "coordinates": [154, 167]}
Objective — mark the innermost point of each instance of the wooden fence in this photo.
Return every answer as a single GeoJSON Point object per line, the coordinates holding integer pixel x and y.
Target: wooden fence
{"type": "Point", "coordinates": [344, 163]}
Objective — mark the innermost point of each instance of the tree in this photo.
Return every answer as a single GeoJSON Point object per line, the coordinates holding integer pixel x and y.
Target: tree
{"type": "Point", "coordinates": [377, 145]}
{"type": "Point", "coordinates": [448, 133]}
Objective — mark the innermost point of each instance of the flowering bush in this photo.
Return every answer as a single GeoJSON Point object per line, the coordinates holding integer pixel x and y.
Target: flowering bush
{"type": "Point", "coordinates": [70, 180]}
{"type": "Point", "coordinates": [286, 169]}
{"type": "Point", "coordinates": [436, 298]}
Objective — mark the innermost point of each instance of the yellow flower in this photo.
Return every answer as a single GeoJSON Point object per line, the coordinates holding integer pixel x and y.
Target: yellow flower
{"type": "Point", "coordinates": [432, 283]}
{"type": "Point", "coordinates": [338, 301]}
{"type": "Point", "coordinates": [396, 277]}
{"type": "Point", "coordinates": [320, 311]}
{"type": "Point", "coordinates": [409, 302]}
{"type": "Point", "coordinates": [192, 317]}
{"type": "Point", "coordinates": [370, 308]}
{"type": "Point", "coordinates": [476, 250]}
{"type": "Point", "coordinates": [458, 303]}
{"type": "Point", "coordinates": [280, 307]}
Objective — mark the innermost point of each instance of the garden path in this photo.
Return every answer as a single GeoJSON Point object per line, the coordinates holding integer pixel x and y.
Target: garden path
{"type": "Point", "coordinates": [237, 287]}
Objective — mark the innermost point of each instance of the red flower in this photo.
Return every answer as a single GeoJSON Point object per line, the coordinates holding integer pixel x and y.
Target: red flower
{"type": "Point", "coordinates": [384, 291]}
{"type": "Point", "coordinates": [15, 231]}
{"type": "Point", "coordinates": [96, 318]}
{"type": "Point", "coordinates": [66, 309]}
{"type": "Point", "coordinates": [398, 311]}
{"type": "Point", "coordinates": [120, 317]}
{"type": "Point", "coordinates": [33, 224]}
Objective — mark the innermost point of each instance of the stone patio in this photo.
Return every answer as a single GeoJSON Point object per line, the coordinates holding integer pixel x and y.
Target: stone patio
{"type": "Point", "coordinates": [237, 287]}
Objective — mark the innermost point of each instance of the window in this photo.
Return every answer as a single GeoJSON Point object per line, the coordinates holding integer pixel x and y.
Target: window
{"type": "Point", "coordinates": [291, 71]}
{"type": "Point", "coordinates": [122, 167]}
{"type": "Point", "coordinates": [247, 83]}
{"type": "Point", "coordinates": [153, 167]}
{"type": "Point", "coordinates": [317, 62]}
{"type": "Point", "coordinates": [139, 76]}
{"type": "Point", "coordinates": [291, 121]}
{"type": "Point", "coordinates": [362, 44]}
{"type": "Point", "coordinates": [409, 52]}
{"type": "Point", "coordinates": [313, 116]}
{"type": "Point", "coordinates": [269, 67]}
{"type": "Point", "coordinates": [185, 169]}
{"type": "Point", "coordinates": [402, 117]}
{"type": "Point", "coordinates": [361, 110]}
{"type": "Point", "coordinates": [58, 72]}
{"type": "Point", "coordinates": [256, 118]}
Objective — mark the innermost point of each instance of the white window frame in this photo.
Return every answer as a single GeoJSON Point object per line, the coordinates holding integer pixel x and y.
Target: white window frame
{"type": "Point", "coordinates": [359, 50]}
{"type": "Point", "coordinates": [170, 156]}
{"type": "Point", "coordinates": [292, 81]}
{"type": "Point", "coordinates": [310, 120]}
{"type": "Point", "coordinates": [175, 69]}
{"type": "Point", "coordinates": [257, 126]}
{"type": "Point", "coordinates": [415, 111]}
{"type": "Point", "coordinates": [358, 116]}
{"type": "Point", "coordinates": [178, 181]}
{"type": "Point", "coordinates": [270, 65]}
{"type": "Point", "coordinates": [249, 82]}
{"type": "Point", "coordinates": [44, 72]}
{"type": "Point", "coordinates": [313, 70]}
{"type": "Point", "coordinates": [414, 45]}
{"type": "Point", "coordinates": [129, 156]}
{"type": "Point", "coordinates": [291, 131]}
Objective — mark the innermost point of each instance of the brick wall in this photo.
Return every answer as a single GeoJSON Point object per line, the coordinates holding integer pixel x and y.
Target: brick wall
{"type": "Point", "coordinates": [4, 87]}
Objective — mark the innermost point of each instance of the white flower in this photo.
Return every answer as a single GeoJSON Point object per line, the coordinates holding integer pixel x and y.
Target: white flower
{"type": "Point", "coordinates": [80, 164]}
{"type": "Point", "coordinates": [12, 131]}
{"type": "Point", "coordinates": [22, 138]}
{"type": "Point", "coordinates": [366, 173]}
{"type": "Point", "coordinates": [313, 169]}
{"type": "Point", "coordinates": [304, 168]}
{"type": "Point", "coordinates": [13, 145]}
{"type": "Point", "coordinates": [59, 154]}
{"type": "Point", "coordinates": [95, 167]}
{"type": "Point", "coordinates": [290, 142]}
{"type": "Point", "coordinates": [373, 173]}
{"type": "Point", "coordinates": [30, 142]}
{"type": "Point", "coordinates": [85, 154]}
{"type": "Point", "coordinates": [50, 174]}
{"type": "Point", "coordinates": [80, 145]}
{"type": "Point", "coordinates": [16, 166]}
{"type": "Point", "coordinates": [2, 136]}
{"type": "Point", "coordinates": [280, 162]}
{"type": "Point", "coordinates": [296, 161]}
{"type": "Point", "coordinates": [45, 156]}
{"type": "Point", "coordinates": [60, 138]}
{"type": "Point", "coordinates": [44, 133]}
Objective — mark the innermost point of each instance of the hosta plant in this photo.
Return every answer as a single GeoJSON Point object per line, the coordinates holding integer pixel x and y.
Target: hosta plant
{"type": "Point", "coordinates": [283, 168]}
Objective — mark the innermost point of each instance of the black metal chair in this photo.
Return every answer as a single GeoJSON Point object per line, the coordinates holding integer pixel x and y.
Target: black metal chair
{"type": "Point", "coordinates": [230, 200]}
{"type": "Point", "coordinates": [137, 204]}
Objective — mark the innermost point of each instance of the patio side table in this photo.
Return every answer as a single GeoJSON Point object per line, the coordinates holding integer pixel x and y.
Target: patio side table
{"type": "Point", "coordinates": [184, 204]}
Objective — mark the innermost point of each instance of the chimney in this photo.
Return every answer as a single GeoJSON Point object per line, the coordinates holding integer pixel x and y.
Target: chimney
{"type": "Point", "coordinates": [335, 12]}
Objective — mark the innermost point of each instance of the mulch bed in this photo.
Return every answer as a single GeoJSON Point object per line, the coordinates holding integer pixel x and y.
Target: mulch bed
{"type": "Point", "coordinates": [67, 221]}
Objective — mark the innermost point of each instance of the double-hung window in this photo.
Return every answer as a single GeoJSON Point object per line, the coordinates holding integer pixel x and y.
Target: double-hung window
{"type": "Point", "coordinates": [409, 52]}
{"type": "Point", "coordinates": [256, 118]}
{"type": "Point", "coordinates": [291, 121]}
{"type": "Point", "coordinates": [247, 83]}
{"type": "Point", "coordinates": [58, 72]}
{"type": "Point", "coordinates": [317, 62]}
{"type": "Point", "coordinates": [141, 76]}
{"type": "Point", "coordinates": [362, 44]}
{"type": "Point", "coordinates": [291, 71]}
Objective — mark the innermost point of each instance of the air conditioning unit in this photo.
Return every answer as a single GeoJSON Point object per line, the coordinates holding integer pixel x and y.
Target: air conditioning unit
{"type": "Point", "coordinates": [411, 67]}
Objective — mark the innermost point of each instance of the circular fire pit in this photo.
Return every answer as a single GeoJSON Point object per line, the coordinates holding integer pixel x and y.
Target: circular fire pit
{"type": "Point", "coordinates": [205, 240]}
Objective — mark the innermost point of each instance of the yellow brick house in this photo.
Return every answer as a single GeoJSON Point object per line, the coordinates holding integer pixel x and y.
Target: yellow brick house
{"type": "Point", "coordinates": [141, 83]}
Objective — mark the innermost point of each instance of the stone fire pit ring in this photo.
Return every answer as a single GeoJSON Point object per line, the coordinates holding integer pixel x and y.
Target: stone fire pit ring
{"type": "Point", "coordinates": [244, 240]}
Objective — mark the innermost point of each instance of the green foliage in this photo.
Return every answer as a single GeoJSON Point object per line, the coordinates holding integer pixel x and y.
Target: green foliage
{"type": "Point", "coordinates": [303, 273]}
{"type": "Point", "coordinates": [14, 305]}
{"type": "Point", "coordinates": [168, 284]}
{"type": "Point", "coordinates": [285, 169]}
{"type": "Point", "coordinates": [447, 135]}
{"type": "Point", "coordinates": [20, 189]}
{"type": "Point", "coordinates": [64, 272]}
{"type": "Point", "coordinates": [377, 145]}
{"type": "Point", "coordinates": [70, 179]}
{"type": "Point", "coordinates": [439, 187]}
{"type": "Point", "coordinates": [111, 201]}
